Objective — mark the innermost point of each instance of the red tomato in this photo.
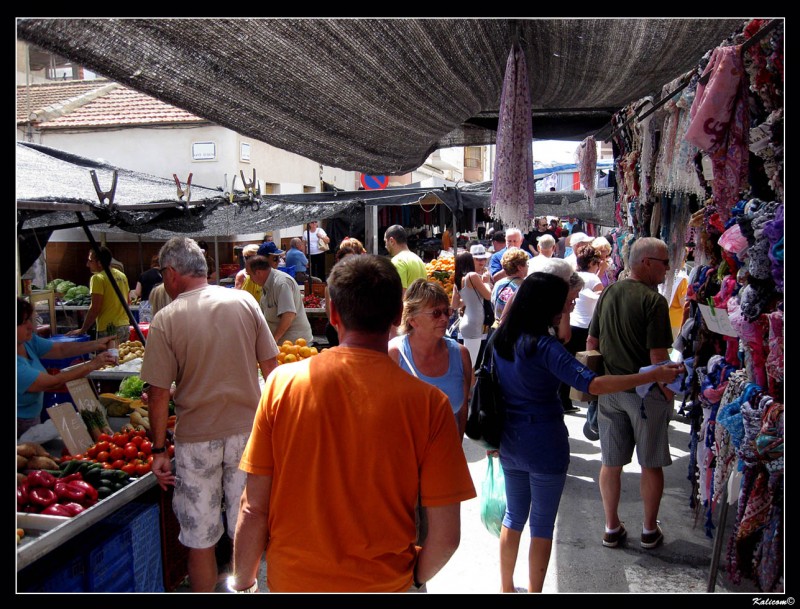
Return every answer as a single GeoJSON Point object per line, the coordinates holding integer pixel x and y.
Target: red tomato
{"type": "Point", "coordinates": [142, 469]}
{"type": "Point", "coordinates": [104, 437]}
{"type": "Point", "coordinates": [91, 452]}
{"type": "Point", "coordinates": [121, 439]}
{"type": "Point", "coordinates": [131, 451]}
{"type": "Point", "coordinates": [137, 440]}
{"type": "Point", "coordinates": [102, 446]}
{"type": "Point", "coordinates": [118, 464]}
{"type": "Point", "coordinates": [107, 466]}
{"type": "Point", "coordinates": [103, 456]}
{"type": "Point", "coordinates": [146, 447]}
{"type": "Point", "coordinates": [116, 453]}
{"type": "Point", "coordinates": [129, 468]}
{"type": "Point", "coordinates": [171, 450]}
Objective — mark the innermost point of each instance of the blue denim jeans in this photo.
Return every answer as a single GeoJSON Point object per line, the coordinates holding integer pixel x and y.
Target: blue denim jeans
{"type": "Point", "coordinates": [534, 496]}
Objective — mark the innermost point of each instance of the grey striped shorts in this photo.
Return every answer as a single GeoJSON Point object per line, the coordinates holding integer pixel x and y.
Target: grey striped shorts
{"type": "Point", "coordinates": [621, 426]}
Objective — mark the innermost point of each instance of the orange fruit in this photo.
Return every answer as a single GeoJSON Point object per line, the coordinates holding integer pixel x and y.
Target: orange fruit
{"type": "Point", "coordinates": [281, 357]}
{"type": "Point", "coordinates": [304, 351]}
{"type": "Point", "coordinates": [300, 342]}
{"type": "Point", "coordinates": [290, 358]}
{"type": "Point", "coordinates": [312, 350]}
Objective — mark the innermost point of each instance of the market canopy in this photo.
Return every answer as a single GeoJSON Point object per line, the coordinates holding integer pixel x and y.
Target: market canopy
{"type": "Point", "coordinates": [379, 95]}
{"type": "Point", "coordinates": [52, 185]}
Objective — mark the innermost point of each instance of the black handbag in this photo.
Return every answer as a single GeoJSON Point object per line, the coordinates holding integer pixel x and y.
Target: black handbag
{"type": "Point", "coordinates": [486, 413]}
{"type": "Point", "coordinates": [488, 313]}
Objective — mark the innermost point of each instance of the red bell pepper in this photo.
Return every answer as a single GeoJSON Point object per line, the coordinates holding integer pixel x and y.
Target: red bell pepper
{"type": "Point", "coordinates": [73, 508]}
{"type": "Point", "coordinates": [42, 496]}
{"type": "Point", "coordinates": [69, 477]}
{"type": "Point", "coordinates": [41, 478]}
{"type": "Point", "coordinates": [56, 509]}
{"type": "Point", "coordinates": [91, 492]}
{"type": "Point", "coordinates": [22, 494]}
{"type": "Point", "coordinates": [63, 490]}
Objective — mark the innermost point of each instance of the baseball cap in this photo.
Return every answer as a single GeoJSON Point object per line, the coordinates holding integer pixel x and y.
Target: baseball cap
{"type": "Point", "coordinates": [478, 251]}
{"type": "Point", "coordinates": [579, 238]}
{"type": "Point", "coordinates": [269, 249]}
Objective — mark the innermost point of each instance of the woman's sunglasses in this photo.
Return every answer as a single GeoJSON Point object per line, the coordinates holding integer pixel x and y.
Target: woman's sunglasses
{"type": "Point", "coordinates": [437, 313]}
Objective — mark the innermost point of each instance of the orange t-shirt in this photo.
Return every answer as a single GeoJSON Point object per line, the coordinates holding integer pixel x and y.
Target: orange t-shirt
{"type": "Point", "coordinates": [351, 441]}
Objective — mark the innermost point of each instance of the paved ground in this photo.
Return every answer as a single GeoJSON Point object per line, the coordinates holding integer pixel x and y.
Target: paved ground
{"type": "Point", "coordinates": [580, 564]}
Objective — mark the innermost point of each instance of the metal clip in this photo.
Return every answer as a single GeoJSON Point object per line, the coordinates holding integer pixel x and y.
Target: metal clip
{"type": "Point", "coordinates": [181, 192]}
{"type": "Point", "coordinates": [230, 193]}
{"type": "Point", "coordinates": [102, 196]}
{"type": "Point", "coordinates": [250, 187]}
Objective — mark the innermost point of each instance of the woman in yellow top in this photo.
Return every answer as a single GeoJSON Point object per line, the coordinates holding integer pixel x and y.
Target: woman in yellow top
{"type": "Point", "coordinates": [243, 280]}
{"type": "Point", "coordinates": [106, 310]}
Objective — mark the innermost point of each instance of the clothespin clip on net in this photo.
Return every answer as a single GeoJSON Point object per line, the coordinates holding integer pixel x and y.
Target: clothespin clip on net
{"type": "Point", "coordinates": [182, 192]}
{"type": "Point", "coordinates": [102, 196]}
{"type": "Point", "coordinates": [249, 187]}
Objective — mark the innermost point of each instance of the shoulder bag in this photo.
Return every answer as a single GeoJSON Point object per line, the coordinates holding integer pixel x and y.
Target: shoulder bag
{"type": "Point", "coordinates": [486, 413]}
{"type": "Point", "coordinates": [488, 309]}
{"type": "Point", "coordinates": [321, 245]}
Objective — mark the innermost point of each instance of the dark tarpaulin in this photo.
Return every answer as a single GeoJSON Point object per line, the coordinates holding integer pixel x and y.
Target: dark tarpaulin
{"type": "Point", "coordinates": [52, 185]}
{"type": "Point", "coordinates": [378, 95]}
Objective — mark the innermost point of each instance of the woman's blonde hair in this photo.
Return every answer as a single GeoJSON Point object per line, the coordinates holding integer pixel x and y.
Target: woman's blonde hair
{"type": "Point", "coordinates": [420, 295]}
{"type": "Point", "coordinates": [354, 244]}
{"type": "Point", "coordinates": [512, 259]}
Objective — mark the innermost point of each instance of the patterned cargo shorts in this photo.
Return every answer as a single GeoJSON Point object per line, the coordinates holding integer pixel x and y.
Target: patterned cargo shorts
{"type": "Point", "coordinates": [208, 485]}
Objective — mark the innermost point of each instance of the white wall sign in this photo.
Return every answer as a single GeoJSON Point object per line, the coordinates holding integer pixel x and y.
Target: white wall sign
{"type": "Point", "coordinates": [245, 152]}
{"type": "Point", "coordinates": [204, 151]}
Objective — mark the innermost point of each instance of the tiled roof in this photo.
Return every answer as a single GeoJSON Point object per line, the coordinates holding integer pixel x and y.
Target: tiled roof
{"type": "Point", "coordinates": [118, 107]}
{"type": "Point", "coordinates": [35, 98]}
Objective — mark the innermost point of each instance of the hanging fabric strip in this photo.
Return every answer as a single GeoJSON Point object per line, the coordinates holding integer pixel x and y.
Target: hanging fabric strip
{"type": "Point", "coordinates": [512, 193]}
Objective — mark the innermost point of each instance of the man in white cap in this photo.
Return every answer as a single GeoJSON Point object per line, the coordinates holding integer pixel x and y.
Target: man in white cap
{"type": "Point", "coordinates": [577, 241]}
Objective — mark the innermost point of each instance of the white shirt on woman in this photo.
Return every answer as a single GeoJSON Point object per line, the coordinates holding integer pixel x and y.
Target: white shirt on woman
{"type": "Point", "coordinates": [313, 241]}
{"type": "Point", "coordinates": [587, 301]}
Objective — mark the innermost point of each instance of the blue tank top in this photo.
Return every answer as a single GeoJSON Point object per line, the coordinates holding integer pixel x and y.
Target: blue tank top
{"type": "Point", "coordinates": [451, 382]}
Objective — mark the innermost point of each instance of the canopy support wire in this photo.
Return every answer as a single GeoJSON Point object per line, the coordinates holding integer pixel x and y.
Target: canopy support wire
{"type": "Point", "coordinates": [123, 299]}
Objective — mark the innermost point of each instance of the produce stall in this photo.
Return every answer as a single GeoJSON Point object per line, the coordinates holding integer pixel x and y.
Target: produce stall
{"type": "Point", "coordinates": [84, 497]}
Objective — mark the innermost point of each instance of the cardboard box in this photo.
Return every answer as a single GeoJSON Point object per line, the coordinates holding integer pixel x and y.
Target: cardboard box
{"type": "Point", "coordinates": [593, 360]}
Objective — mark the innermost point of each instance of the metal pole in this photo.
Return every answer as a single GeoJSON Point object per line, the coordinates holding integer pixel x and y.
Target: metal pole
{"type": "Point", "coordinates": [723, 516]}
{"type": "Point", "coordinates": [122, 299]}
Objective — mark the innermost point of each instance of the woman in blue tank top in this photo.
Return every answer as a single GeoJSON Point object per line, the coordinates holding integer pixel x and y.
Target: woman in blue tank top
{"type": "Point", "coordinates": [422, 349]}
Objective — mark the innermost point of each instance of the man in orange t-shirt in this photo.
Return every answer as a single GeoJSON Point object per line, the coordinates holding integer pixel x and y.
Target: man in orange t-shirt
{"type": "Point", "coordinates": [343, 446]}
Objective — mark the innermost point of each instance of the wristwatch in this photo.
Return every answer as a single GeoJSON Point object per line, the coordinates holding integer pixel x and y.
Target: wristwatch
{"type": "Point", "coordinates": [231, 582]}
{"type": "Point", "coordinates": [158, 451]}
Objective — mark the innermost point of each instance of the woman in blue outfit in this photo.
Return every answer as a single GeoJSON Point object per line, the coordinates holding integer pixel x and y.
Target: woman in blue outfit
{"type": "Point", "coordinates": [422, 349]}
{"type": "Point", "coordinates": [32, 378]}
{"type": "Point", "coordinates": [531, 362]}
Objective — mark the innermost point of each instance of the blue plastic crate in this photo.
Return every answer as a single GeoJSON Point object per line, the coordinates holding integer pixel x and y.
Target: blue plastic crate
{"type": "Point", "coordinates": [66, 574]}
{"type": "Point", "coordinates": [143, 521]}
{"type": "Point", "coordinates": [60, 364]}
{"type": "Point", "coordinates": [109, 564]}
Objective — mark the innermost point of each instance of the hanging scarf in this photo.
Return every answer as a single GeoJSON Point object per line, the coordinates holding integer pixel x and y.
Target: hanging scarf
{"type": "Point", "coordinates": [586, 154]}
{"type": "Point", "coordinates": [719, 125]}
{"type": "Point", "coordinates": [512, 192]}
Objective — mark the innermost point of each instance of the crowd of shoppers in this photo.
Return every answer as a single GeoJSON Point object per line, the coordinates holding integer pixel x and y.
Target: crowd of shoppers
{"type": "Point", "coordinates": [372, 427]}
